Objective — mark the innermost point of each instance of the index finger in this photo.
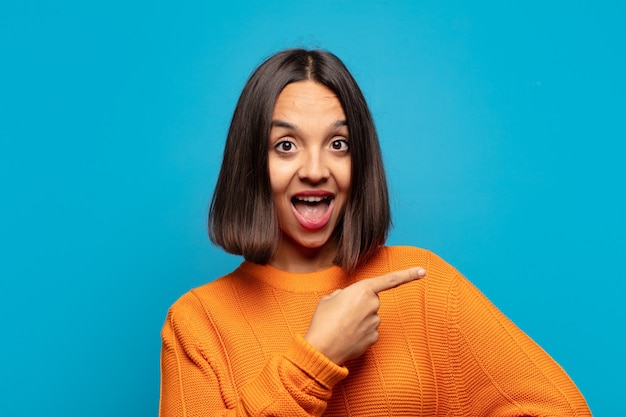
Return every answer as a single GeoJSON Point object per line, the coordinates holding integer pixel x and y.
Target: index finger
{"type": "Point", "coordinates": [394, 279]}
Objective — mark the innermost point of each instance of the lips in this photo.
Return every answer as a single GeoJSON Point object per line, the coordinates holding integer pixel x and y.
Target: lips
{"type": "Point", "coordinates": [313, 210]}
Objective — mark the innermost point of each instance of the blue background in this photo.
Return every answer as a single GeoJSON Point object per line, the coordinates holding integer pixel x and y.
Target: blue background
{"type": "Point", "coordinates": [502, 126]}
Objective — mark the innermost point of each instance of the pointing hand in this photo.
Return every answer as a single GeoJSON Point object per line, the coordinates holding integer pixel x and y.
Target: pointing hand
{"type": "Point", "coordinates": [345, 323]}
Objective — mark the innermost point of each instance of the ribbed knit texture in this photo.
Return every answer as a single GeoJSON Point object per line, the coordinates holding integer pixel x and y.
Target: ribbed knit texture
{"type": "Point", "coordinates": [235, 347]}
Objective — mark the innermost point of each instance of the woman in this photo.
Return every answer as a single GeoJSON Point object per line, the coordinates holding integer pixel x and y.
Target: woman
{"type": "Point", "coordinates": [321, 318]}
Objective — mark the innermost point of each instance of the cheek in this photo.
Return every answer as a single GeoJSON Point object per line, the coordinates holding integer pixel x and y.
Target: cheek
{"type": "Point", "coordinates": [282, 173]}
{"type": "Point", "coordinates": [345, 176]}
{"type": "Point", "coordinates": [276, 175]}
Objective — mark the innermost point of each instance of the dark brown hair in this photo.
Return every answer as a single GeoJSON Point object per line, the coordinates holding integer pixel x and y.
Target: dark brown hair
{"type": "Point", "coordinates": [242, 217]}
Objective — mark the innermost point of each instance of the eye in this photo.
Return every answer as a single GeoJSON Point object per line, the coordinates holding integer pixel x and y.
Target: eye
{"type": "Point", "coordinates": [285, 146]}
{"type": "Point", "coordinates": [340, 145]}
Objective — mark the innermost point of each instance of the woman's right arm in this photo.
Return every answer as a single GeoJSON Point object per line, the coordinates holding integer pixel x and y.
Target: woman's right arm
{"type": "Point", "coordinates": [196, 378]}
{"type": "Point", "coordinates": [194, 382]}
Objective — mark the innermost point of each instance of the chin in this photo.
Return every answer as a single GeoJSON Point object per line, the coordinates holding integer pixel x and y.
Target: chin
{"type": "Point", "coordinates": [313, 245]}
{"type": "Point", "coordinates": [318, 244]}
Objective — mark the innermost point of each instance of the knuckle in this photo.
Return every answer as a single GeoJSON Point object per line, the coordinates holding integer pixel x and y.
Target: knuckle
{"type": "Point", "coordinates": [393, 279]}
{"type": "Point", "coordinates": [361, 291]}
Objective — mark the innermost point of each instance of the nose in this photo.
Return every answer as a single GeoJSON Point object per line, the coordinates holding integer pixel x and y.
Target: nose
{"type": "Point", "coordinates": [314, 167]}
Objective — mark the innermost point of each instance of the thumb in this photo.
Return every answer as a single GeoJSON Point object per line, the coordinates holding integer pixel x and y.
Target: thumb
{"type": "Point", "coordinates": [331, 295]}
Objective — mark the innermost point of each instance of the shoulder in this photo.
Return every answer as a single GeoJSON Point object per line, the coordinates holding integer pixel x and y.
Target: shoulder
{"type": "Point", "coordinates": [201, 308]}
{"type": "Point", "coordinates": [402, 257]}
{"type": "Point", "coordinates": [441, 276]}
{"type": "Point", "coordinates": [194, 319]}
{"type": "Point", "coordinates": [198, 300]}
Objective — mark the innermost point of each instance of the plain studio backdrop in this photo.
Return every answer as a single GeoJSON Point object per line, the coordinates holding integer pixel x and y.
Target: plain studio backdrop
{"type": "Point", "coordinates": [502, 128]}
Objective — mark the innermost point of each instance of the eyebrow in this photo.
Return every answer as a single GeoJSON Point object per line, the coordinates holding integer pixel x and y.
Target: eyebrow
{"type": "Point", "coordinates": [283, 124]}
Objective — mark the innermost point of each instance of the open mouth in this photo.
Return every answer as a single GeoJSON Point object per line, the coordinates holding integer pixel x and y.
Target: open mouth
{"type": "Point", "coordinates": [311, 208]}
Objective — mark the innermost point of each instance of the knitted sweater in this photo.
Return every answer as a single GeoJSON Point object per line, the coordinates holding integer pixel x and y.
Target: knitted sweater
{"type": "Point", "coordinates": [235, 347]}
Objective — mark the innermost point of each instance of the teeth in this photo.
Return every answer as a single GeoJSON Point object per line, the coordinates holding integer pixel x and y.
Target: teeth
{"type": "Point", "coordinates": [311, 199]}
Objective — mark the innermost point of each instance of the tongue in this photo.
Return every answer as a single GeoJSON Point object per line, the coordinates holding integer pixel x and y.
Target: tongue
{"type": "Point", "coordinates": [311, 211]}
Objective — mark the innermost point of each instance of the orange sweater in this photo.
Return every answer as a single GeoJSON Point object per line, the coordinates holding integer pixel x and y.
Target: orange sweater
{"type": "Point", "coordinates": [234, 347]}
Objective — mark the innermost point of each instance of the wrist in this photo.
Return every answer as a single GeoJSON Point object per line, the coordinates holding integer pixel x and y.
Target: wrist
{"type": "Point", "coordinates": [315, 363]}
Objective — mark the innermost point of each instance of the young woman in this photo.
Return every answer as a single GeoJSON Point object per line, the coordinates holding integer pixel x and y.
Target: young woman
{"type": "Point", "coordinates": [321, 318]}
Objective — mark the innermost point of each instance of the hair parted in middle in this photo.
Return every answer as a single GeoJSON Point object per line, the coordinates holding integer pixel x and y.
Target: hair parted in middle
{"type": "Point", "coordinates": [242, 216]}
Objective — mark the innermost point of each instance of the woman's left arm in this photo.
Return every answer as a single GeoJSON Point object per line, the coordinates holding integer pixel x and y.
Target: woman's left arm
{"type": "Point", "coordinates": [502, 371]}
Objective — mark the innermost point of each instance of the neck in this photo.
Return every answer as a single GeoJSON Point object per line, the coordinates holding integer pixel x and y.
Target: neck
{"type": "Point", "coordinates": [293, 258]}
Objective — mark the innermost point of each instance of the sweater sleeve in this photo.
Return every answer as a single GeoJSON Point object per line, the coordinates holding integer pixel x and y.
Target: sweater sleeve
{"type": "Point", "coordinates": [196, 379]}
{"type": "Point", "coordinates": [500, 371]}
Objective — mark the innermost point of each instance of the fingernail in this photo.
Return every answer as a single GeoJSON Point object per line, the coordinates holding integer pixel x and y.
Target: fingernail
{"type": "Point", "coordinates": [421, 273]}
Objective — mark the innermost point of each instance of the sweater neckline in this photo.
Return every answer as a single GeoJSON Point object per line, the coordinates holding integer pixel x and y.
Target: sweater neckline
{"type": "Point", "coordinates": [320, 281]}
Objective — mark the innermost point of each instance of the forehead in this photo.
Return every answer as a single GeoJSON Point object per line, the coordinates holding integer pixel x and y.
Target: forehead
{"type": "Point", "coordinates": [307, 98]}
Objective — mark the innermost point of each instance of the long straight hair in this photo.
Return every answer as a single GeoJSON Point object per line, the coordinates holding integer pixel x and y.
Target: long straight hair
{"type": "Point", "coordinates": [242, 216]}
